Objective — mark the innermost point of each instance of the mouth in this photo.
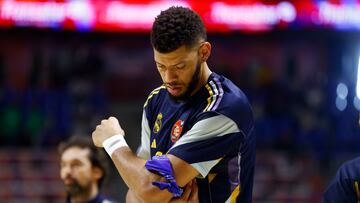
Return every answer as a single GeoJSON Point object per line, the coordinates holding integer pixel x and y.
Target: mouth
{"type": "Point", "coordinates": [174, 90]}
{"type": "Point", "coordinates": [69, 181]}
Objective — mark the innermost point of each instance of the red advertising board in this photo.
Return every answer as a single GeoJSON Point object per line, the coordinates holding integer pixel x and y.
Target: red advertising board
{"type": "Point", "coordinates": [218, 16]}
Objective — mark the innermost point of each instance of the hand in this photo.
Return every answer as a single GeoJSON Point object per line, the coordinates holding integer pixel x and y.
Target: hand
{"type": "Point", "coordinates": [107, 128]}
{"type": "Point", "coordinates": [190, 194]}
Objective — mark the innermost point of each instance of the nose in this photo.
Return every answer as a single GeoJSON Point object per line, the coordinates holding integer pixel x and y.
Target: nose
{"type": "Point", "coordinates": [65, 171]}
{"type": "Point", "coordinates": [170, 75]}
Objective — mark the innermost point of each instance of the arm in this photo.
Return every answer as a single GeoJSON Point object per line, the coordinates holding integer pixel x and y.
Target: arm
{"type": "Point", "coordinates": [190, 195]}
{"type": "Point", "coordinates": [139, 179]}
{"type": "Point", "coordinates": [131, 197]}
{"type": "Point", "coordinates": [132, 168]}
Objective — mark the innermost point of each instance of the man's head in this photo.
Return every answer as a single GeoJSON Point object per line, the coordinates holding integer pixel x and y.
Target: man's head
{"type": "Point", "coordinates": [178, 38]}
{"type": "Point", "coordinates": [82, 167]}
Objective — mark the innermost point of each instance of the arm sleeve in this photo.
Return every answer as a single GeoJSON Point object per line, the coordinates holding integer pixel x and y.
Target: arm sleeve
{"type": "Point", "coordinates": [207, 142]}
{"type": "Point", "coordinates": [144, 148]}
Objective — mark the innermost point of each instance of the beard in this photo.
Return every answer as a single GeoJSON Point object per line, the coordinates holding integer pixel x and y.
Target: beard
{"type": "Point", "coordinates": [75, 189]}
{"type": "Point", "coordinates": [192, 85]}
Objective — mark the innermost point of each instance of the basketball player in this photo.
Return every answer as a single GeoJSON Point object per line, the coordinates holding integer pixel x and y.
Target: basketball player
{"type": "Point", "coordinates": [197, 125]}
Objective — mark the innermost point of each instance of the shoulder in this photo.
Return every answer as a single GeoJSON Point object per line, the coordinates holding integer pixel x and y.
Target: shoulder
{"type": "Point", "coordinates": [345, 185]}
{"type": "Point", "coordinates": [224, 94]}
{"type": "Point", "coordinates": [350, 169]}
{"type": "Point", "coordinates": [225, 98]}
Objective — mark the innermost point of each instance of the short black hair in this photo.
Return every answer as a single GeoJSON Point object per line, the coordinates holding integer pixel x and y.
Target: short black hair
{"type": "Point", "coordinates": [97, 156]}
{"type": "Point", "coordinates": [175, 27]}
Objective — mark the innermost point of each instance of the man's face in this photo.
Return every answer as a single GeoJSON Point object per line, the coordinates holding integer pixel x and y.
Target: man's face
{"type": "Point", "coordinates": [76, 171]}
{"type": "Point", "coordinates": [179, 70]}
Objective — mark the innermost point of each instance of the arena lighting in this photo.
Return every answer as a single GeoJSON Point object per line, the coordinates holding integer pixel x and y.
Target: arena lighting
{"type": "Point", "coordinates": [357, 97]}
{"type": "Point", "coordinates": [358, 81]}
{"type": "Point", "coordinates": [342, 16]}
{"type": "Point", "coordinates": [356, 103]}
{"type": "Point", "coordinates": [342, 90]}
{"type": "Point", "coordinates": [82, 13]}
{"type": "Point", "coordinates": [48, 13]}
{"type": "Point", "coordinates": [256, 15]}
{"type": "Point", "coordinates": [218, 16]}
{"type": "Point", "coordinates": [41, 12]}
{"type": "Point", "coordinates": [135, 15]}
{"type": "Point", "coordinates": [340, 103]}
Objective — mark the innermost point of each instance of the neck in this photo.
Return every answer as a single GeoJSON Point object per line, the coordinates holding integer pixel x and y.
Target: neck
{"type": "Point", "coordinates": [86, 196]}
{"type": "Point", "coordinates": [205, 73]}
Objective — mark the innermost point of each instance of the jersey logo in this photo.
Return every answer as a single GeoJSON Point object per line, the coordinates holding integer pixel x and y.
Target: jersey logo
{"type": "Point", "coordinates": [153, 144]}
{"type": "Point", "coordinates": [176, 130]}
{"type": "Point", "coordinates": [158, 153]}
{"type": "Point", "coordinates": [158, 123]}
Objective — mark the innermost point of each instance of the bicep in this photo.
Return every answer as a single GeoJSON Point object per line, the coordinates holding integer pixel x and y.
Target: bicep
{"type": "Point", "coordinates": [183, 174]}
{"type": "Point", "coordinates": [183, 171]}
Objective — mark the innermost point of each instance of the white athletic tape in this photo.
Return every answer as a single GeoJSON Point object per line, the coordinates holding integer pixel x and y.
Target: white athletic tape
{"type": "Point", "coordinates": [113, 143]}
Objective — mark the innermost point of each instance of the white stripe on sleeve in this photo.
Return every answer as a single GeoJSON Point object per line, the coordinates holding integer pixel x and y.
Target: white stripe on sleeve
{"type": "Point", "coordinates": [144, 149]}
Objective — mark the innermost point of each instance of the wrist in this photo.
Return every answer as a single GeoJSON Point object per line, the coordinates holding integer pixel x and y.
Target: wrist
{"type": "Point", "coordinates": [113, 143]}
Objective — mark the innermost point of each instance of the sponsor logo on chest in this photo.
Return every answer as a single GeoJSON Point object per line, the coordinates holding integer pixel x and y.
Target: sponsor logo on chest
{"type": "Point", "coordinates": [176, 130]}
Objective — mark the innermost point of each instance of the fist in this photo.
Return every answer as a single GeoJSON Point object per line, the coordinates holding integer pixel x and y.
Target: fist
{"type": "Point", "coordinates": [108, 128]}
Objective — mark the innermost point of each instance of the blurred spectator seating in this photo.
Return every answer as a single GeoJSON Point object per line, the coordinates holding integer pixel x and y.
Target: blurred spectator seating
{"type": "Point", "coordinates": [30, 176]}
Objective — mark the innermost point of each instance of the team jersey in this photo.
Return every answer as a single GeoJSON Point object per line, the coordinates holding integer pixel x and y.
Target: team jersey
{"type": "Point", "coordinates": [212, 131]}
{"type": "Point", "coordinates": [344, 187]}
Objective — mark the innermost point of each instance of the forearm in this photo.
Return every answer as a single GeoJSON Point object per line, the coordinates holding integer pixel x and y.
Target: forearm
{"type": "Point", "coordinates": [132, 198]}
{"type": "Point", "coordinates": [137, 177]}
{"type": "Point", "coordinates": [131, 168]}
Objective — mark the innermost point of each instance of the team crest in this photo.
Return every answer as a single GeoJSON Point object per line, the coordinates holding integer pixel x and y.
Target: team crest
{"type": "Point", "coordinates": [176, 130]}
{"type": "Point", "coordinates": [158, 123]}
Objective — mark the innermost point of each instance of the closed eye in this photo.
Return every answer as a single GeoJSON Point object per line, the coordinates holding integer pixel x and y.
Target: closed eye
{"type": "Point", "coordinates": [180, 66]}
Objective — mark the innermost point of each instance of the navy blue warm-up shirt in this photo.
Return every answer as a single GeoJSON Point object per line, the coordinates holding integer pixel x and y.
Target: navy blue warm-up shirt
{"type": "Point", "coordinates": [212, 131]}
{"type": "Point", "coordinates": [344, 188]}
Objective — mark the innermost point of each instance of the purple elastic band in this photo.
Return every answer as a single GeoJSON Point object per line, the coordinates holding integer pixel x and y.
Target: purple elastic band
{"type": "Point", "coordinates": [162, 165]}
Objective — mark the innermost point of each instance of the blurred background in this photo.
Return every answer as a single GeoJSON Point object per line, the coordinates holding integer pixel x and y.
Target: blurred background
{"type": "Point", "coordinates": [65, 65]}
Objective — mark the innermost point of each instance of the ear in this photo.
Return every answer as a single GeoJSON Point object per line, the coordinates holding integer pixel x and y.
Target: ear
{"type": "Point", "coordinates": [97, 173]}
{"type": "Point", "coordinates": [205, 51]}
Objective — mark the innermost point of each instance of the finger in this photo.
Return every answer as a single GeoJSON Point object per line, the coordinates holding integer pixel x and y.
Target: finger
{"type": "Point", "coordinates": [122, 132]}
{"type": "Point", "coordinates": [94, 139]}
{"type": "Point", "coordinates": [194, 192]}
{"type": "Point", "coordinates": [187, 192]}
{"type": "Point", "coordinates": [97, 129]}
{"type": "Point", "coordinates": [103, 122]}
{"type": "Point", "coordinates": [113, 119]}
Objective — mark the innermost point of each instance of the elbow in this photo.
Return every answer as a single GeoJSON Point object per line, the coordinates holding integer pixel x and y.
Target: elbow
{"type": "Point", "coordinates": [151, 194]}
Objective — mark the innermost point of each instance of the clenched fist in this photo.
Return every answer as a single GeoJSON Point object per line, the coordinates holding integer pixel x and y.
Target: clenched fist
{"type": "Point", "coordinates": [108, 128]}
